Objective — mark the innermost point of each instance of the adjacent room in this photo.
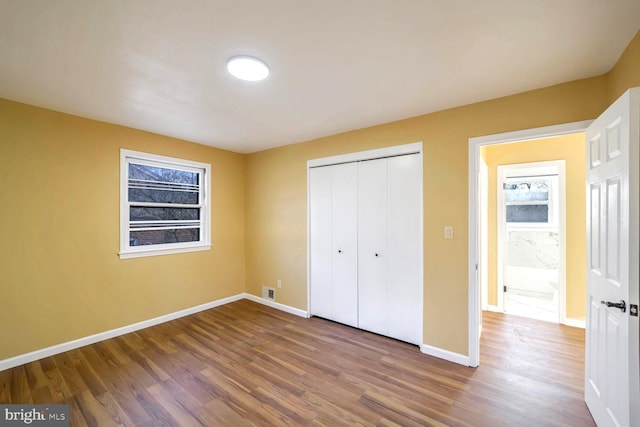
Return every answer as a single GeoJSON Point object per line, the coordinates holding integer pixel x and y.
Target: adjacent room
{"type": "Point", "coordinates": [401, 213]}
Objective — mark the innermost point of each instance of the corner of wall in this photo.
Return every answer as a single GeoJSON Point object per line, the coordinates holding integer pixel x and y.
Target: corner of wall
{"type": "Point", "coordinates": [626, 73]}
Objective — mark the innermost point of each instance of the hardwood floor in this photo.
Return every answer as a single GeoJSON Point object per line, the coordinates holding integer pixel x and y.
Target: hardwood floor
{"type": "Point", "coordinates": [248, 364]}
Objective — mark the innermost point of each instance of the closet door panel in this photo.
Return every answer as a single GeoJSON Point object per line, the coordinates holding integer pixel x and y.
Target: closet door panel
{"type": "Point", "coordinates": [365, 240]}
{"type": "Point", "coordinates": [320, 234]}
{"type": "Point", "coordinates": [372, 253]}
{"type": "Point", "coordinates": [403, 249]}
{"type": "Point", "coordinates": [344, 244]}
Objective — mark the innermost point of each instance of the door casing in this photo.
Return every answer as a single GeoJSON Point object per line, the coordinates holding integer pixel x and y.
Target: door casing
{"type": "Point", "coordinates": [475, 239]}
{"type": "Point", "coordinates": [560, 204]}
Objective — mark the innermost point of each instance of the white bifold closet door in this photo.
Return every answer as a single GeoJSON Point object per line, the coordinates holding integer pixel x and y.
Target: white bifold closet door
{"type": "Point", "coordinates": [334, 243]}
{"type": "Point", "coordinates": [389, 264]}
{"type": "Point", "coordinates": [365, 247]}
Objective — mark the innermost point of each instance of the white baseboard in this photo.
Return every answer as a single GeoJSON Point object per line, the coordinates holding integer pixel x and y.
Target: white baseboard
{"type": "Point", "coordinates": [81, 342]}
{"type": "Point", "coordinates": [277, 305]}
{"type": "Point", "coordinates": [445, 354]}
{"type": "Point", "coordinates": [91, 339]}
{"type": "Point", "coordinates": [426, 349]}
{"type": "Point", "coordinates": [576, 323]}
{"type": "Point", "coordinates": [494, 308]}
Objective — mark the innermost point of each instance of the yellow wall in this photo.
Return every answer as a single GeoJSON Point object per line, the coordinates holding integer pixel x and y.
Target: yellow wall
{"type": "Point", "coordinates": [276, 189]}
{"type": "Point", "coordinates": [570, 148]}
{"type": "Point", "coordinates": [277, 203]}
{"type": "Point", "coordinates": [626, 73]}
{"type": "Point", "coordinates": [60, 275]}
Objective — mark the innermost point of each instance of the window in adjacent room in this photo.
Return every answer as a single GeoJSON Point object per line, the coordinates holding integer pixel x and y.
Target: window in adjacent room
{"type": "Point", "coordinates": [164, 205]}
{"type": "Point", "coordinates": [530, 200]}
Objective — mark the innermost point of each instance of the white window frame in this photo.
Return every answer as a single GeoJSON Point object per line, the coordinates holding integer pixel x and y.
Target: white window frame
{"type": "Point", "coordinates": [524, 172]}
{"type": "Point", "coordinates": [552, 221]}
{"type": "Point", "coordinates": [137, 157]}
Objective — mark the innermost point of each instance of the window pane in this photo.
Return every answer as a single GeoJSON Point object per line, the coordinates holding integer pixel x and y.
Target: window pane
{"type": "Point", "coordinates": [163, 214]}
{"type": "Point", "coordinates": [157, 237]}
{"type": "Point", "coordinates": [163, 196]}
{"type": "Point", "coordinates": [162, 185]}
{"type": "Point", "coordinates": [527, 191]}
{"type": "Point", "coordinates": [528, 213]}
{"type": "Point", "coordinates": [157, 174]}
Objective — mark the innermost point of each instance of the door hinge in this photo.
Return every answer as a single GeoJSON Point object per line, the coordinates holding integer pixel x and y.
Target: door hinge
{"type": "Point", "coordinates": [633, 310]}
{"type": "Point", "coordinates": [504, 289]}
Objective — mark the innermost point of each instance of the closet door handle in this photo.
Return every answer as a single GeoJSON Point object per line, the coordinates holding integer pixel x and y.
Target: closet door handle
{"type": "Point", "coordinates": [339, 251]}
{"type": "Point", "coordinates": [377, 254]}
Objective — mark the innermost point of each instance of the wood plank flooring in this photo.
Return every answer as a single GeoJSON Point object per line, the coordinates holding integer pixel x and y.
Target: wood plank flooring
{"type": "Point", "coordinates": [246, 364]}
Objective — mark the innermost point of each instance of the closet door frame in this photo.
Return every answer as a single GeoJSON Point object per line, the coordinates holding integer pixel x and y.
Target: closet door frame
{"type": "Point", "coordinates": [397, 150]}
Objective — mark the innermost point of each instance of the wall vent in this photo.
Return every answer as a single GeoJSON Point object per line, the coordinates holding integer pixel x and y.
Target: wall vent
{"type": "Point", "coordinates": [268, 293]}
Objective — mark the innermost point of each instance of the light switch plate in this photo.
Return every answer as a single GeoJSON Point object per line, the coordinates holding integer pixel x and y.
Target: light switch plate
{"type": "Point", "coordinates": [448, 232]}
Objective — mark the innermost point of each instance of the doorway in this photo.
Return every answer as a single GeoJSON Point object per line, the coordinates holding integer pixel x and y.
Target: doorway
{"type": "Point", "coordinates": [480, 228]}
{"type": "Point", "coordinates": [531, 239]}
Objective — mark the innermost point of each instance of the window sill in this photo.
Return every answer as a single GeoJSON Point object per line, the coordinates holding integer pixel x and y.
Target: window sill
{"type": "Point", "coordinates": [166, 251]}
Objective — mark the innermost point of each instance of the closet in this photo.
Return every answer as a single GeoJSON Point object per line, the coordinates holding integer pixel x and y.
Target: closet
{"type": "Point", "coordinates": [365, 242]}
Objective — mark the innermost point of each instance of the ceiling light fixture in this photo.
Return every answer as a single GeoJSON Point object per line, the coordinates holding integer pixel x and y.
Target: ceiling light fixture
{"type": "Point", "coordinates": [248, 68]}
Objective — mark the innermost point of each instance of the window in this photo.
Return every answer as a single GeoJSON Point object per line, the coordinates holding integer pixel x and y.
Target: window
{"type": "Point", "coordinates": [529, 201]}
{"type": "Point", "coordinates": [164, 206]}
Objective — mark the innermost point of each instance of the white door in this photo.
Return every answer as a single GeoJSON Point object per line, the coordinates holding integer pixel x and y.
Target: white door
{"type": "Point", "coordinates": [404, 241]}
{"type": "Point", "coordinates": [612, 390]}
{"type": "Point", "coordinates": [372, 246]}
{"type": "Point", "coordinates": [389, 242]}
{"type": "Point", "coordinates": [333, 243]}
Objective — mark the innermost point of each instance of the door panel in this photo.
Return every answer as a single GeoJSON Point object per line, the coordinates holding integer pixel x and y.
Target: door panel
{"type": "Point", "coordinates": [320, 235]}
{"type": "Point", "coordinates": [594, 224]}
{"type": "Point", "coordinates": [389, 242]}
{"type": "Point", "coordinates": [613, 231]}
{"type": "Point", "coordinates": [372, 246]}
{"type": "Point", "coordinates": [403, 249]}
{"type": "Point", "coordinates": [333, 243]}
{"type": "Point", "coordinates": [611, 372]}
{"type": "Point", "coordinates": [344, 244]}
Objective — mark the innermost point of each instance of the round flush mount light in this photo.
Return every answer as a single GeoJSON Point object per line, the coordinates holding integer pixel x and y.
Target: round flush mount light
{"type": "Point", "coordinates": [248, 68]}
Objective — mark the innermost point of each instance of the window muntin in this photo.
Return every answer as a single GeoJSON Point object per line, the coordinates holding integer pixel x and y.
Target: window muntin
{"type": "Point", "coordinates": [164, 208]}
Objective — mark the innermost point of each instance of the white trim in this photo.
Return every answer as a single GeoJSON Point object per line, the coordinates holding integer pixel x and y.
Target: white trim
{"type": "Point", "coordinates": [91, 339]}
{"type": "Point", "coordinates": [204, 169]}
{"type": "Point", "coordinates": [558, 206]}
{"type": "Point", "coordinates": [396, 150]}
{"type": "Point", "coordinates": [495, 309]}
{"type": "Point", "coordinates": [531, 134]}
{"type": "Point", "coordinates": [483, 233]}
{"type": "Point", "coordinates": [460, 359]}
{"type": "Point", "coordinates": [277, 305]}
{"type": "Point", "coordinates": [474, 155]}
{"type": "Point", "coordinates": [308, 237]}
{"type": "Point", "coordinates": [421, 249]}
{"type": "Point", "coordinates": [576, 323]}
{"type": "Point", "coordinates": [156, 252]}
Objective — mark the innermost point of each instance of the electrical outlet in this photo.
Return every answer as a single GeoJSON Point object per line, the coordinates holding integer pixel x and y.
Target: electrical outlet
{"type": "Point", "coordinates": [279, 283]}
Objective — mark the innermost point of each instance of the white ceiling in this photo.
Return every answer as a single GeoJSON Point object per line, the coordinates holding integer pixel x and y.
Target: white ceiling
{"type": "Point", "coordinates": [336, 65]}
